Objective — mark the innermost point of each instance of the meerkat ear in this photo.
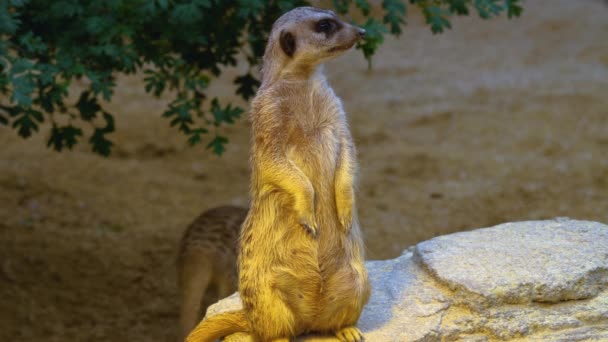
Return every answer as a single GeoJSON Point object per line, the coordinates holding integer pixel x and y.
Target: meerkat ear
{"type": "Point", "coordinates": [288, 43]}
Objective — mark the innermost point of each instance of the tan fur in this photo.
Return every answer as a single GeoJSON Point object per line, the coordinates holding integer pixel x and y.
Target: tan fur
{"type": "Point", "coordinates": [206, 262]}
{"type": "Point", "coordinates": [301, 262]}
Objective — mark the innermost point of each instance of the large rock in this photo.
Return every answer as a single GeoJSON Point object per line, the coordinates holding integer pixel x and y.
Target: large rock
{"type": "Point", "coordinates": [537, 280]}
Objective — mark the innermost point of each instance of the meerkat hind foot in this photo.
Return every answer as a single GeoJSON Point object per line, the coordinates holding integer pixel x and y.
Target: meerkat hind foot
{"type": "Point", "coordinates": [244, 337]}
{"type": "Point", "coordinates": [350, 334]}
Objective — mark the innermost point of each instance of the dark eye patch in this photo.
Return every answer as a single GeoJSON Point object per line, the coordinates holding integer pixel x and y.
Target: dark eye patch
{"type": "Point", "coordinates": [327, 26]}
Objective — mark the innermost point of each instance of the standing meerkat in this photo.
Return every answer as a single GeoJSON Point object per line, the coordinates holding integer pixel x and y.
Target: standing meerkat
{"type": "Point", "coordinates": [206, 262]}
{"type": "Point", "coordinates": [301, 263]}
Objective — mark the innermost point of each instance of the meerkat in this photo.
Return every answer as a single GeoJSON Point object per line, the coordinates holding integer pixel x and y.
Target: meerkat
{"type": "Point", "coordinates": [206, 262]}
{"type": "Point", "coordinates": [301, 255]}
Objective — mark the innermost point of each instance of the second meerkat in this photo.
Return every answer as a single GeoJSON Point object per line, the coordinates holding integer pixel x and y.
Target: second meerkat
{"type": "Point", "coordinates": [206, 262]}
{"type": "Point", "coordinates": [301, 261]}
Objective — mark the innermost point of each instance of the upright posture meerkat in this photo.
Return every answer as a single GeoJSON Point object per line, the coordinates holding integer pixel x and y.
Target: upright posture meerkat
{"type": "Point", "coordinates": [301, 263]}
{"type": "Point", "coordinates": [206, 262]}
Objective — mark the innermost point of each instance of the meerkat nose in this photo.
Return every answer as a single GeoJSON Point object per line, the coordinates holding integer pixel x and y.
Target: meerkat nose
{"type": "Point", "coordinates": [361, 33]}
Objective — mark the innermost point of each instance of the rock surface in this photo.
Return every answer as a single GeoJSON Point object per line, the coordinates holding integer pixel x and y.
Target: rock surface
{"type": "Point", "coordinates": [536, 280]}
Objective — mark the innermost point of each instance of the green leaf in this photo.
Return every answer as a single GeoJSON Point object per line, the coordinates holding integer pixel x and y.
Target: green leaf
{"type": "Point", "coordinates": [364, 6]}
{"type": "Point", "coordinates": [459, 7]}
{"type": "Point", "coordinates": [488, 8]}
{"type": "Point", "coordinates": [163, 4]}
{"type": "Point", "coordinates": [23, 82]}
{"type": "Point", "coordinates": [26, 123]}
{"type": "Point", "coordinates": [248, 8]}
{"type": "Point", "coordinates": [217, 145]}
{"type": "Point", "coordinates": [25, 126]}
{"type": "Point", "coordinates": [186, 14]}
{"type": "Point", "coordinates": [20, 66]}
{"type": "Point", "coordinates": [12, 111]}
{"type": "Point", "coordinates": [226, 114]}
{"type": "Point", "coordinates": [101, 83]}
{"type": "Point", "coordinates": [195, 136]}
{"type": "Point", "coordinates": [36, 115]}
{"type": "Point", "coordinates": [513, 8]}
{"type": "Point", "coordinates": [32, 44]}
{"type": "Point", "coordinates": [436, 18]}
{"type": "Point", "coordinates": [341, 6]}
{"type": "Point", "coordinates": [247, 85]}
{"type": "Point", "coordinates": [9, 21]}
{"type": "Point", "coordinates": [179, 110]}
{"type": "Point", "coordinates": [63, 9]}
{"type": "Point", "coordinates": [97, 24]}
{"type": "Point", "coordinates": [109, 128]}
{"type": "Point", "coordinates": [286, 5]}
{"type": "Point", "coordinates": [395, 14]}
{"type": "Point", "coordinates": [23, 87]}
{"type": "Point", "coordinates": [47, 74]}
{"type": "Point", "coordinates": [99, 141]}
{"type": "Point", "coordinates": [18, 3]}
{"type": "Point", "coordinates": [374, 37]}
{"type": "Point", "coordinates": [51, 97]}
{"type": "Point", "coordinates": [63, 136]}
{"type": "Point", "coordinates": [202, 3]}
{"type": "Point", "coordinates": [87, 106]}
{"type": "Point", "coordinates": [155, 82]}
{"type": "Point", "coordinates": [4, 81]}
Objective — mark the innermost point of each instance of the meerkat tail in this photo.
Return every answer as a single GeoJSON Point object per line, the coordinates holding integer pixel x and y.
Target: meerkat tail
{"type": "Point", "coordinates": [219, 326]}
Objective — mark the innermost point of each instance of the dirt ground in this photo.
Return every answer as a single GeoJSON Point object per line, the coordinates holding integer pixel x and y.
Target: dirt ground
{"type": "Point", "coordinates": [491, 122]}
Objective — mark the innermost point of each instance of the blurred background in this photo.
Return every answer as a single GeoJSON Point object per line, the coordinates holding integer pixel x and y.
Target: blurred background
{"type": "Point", "coordinates": [490, 122]}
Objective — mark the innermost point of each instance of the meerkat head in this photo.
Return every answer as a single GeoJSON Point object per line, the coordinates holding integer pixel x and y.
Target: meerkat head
{"type": "Point", "coordinates": [305, 37]}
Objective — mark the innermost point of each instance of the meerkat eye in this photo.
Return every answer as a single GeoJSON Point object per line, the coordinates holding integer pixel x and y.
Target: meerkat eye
{"type": "Point", "coordinates": [325, 25]}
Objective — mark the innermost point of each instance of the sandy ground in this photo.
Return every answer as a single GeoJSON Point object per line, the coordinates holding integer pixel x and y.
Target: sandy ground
{"type": "Point", "coordinates": [493, 121]}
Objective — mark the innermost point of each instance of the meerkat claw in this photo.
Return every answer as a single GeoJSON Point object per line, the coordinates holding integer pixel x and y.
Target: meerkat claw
{"type": "Point", "coordinates": [311, 229]}
{"type": "Point", "coordinates": [347, 224]}
{"type": "Point", "coordinates": [350, 334]}
{"type": "Point", "coordinates": [346, 220]}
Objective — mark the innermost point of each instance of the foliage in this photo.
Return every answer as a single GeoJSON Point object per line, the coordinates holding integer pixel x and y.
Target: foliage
{"type": "Point", "coordinates": [179, 45]}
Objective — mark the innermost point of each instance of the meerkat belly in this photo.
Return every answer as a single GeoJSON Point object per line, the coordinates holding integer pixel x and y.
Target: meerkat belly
{"type": "Point", "coordinates": [316, 155]}
{"type": "Point", "coordinates": [279, 260]}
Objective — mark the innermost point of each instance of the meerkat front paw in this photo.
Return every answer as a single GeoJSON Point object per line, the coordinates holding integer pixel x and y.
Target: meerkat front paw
{"type": "Point", "coordinates": [344, 204]}
{"type": "Point", "coordinates": [305, 212]}
{"type": "Point", "coordinates": [350, 334]}
{"type": "Point", "coordinates": [345, 215]}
